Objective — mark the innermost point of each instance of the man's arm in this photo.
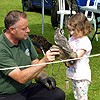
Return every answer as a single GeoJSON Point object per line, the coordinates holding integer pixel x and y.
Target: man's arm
{"type": "Point", "coordinates": [23, 76]}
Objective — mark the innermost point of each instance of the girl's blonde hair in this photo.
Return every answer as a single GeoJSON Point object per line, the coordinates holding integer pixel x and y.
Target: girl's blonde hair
{"type": "Point", "coordinates": [80, 23]}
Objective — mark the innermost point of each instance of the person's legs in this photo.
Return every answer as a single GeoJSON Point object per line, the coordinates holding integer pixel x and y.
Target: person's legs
{"type": "Point", "coordinates": [18, 96]}
{"type": "Point", "coordinates": [80, 89]}
{"type": "Point", "coordinates": [22, 95]}
{"type": "Point", "coordinates": [39, 92]}
{"type": "Point", "coordinates": [36, 92]}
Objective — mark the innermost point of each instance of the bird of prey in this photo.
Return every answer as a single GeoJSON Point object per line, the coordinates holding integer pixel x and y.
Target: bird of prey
{"type": "Point", "coordinates": [62, 42]}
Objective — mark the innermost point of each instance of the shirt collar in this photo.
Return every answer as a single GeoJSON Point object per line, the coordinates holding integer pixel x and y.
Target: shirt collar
{"type": "Point", "coordinates": [7, 40]}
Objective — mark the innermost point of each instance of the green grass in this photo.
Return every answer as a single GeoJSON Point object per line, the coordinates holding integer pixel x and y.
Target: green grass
{"type": "Point", "coordinates": [35, 24]}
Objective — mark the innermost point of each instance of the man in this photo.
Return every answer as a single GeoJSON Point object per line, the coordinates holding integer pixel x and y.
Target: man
{"type": "Point", "coordinates": [16, 50]}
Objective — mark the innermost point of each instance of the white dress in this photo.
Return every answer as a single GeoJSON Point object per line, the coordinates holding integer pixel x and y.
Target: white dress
{"type": "Point", "coordinates": [81, 70]}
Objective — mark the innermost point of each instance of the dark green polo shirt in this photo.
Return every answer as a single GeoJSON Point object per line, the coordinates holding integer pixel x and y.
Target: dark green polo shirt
{"type": "Point", "coordinates": [14, 56]}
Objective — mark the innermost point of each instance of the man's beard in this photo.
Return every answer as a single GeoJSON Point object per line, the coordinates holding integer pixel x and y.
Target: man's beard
{"type": "Point", "coordinates": [26, 37]}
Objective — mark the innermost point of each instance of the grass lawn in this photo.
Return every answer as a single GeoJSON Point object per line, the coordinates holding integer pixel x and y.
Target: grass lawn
{"type": "Point", "coordinates": [56, 70]}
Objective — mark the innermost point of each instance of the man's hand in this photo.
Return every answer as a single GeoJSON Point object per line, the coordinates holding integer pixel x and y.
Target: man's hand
{"type": "Point", "coordinates": [50, 54]}
{"type": "Point", "coordinates": [49, 82]}
{"type": "Point", "coordinates": [61, 55]}
{"type": "Point", "coordinates": [45, 80]}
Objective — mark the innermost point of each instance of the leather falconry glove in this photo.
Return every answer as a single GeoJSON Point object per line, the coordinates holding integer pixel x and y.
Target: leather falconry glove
{"type": "Point", "coordinates": [45, 80]}
{"type": "Point", "coordinates": [62, 42]}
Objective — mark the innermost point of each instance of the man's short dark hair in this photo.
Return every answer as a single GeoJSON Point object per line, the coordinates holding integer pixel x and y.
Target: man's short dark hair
{"type": "Point", "coordinates": [13, 17]}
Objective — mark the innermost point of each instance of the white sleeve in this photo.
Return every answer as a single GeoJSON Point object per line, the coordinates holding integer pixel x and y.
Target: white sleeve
{"type": "Point", "coordinates": [85, 44]}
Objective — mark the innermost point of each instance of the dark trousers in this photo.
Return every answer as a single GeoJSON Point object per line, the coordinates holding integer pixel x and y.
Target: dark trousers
{"type": "Point", "coordinates": [36, 92]}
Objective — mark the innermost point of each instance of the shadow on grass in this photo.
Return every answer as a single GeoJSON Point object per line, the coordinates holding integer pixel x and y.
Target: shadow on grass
{"type": "Point", "coordinates": [95, 46]}
{"type": "Point", "coordinates": [39, 10]}
{"type": "Point", "coordinates": [69, 96]}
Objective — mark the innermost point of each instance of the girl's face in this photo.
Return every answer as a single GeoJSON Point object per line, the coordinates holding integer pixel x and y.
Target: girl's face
{"type": "Point", "coordinates": [74, 32]}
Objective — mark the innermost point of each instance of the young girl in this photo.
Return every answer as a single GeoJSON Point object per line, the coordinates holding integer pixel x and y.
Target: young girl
{"type": "Point", "coordinates": [80, 73]}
